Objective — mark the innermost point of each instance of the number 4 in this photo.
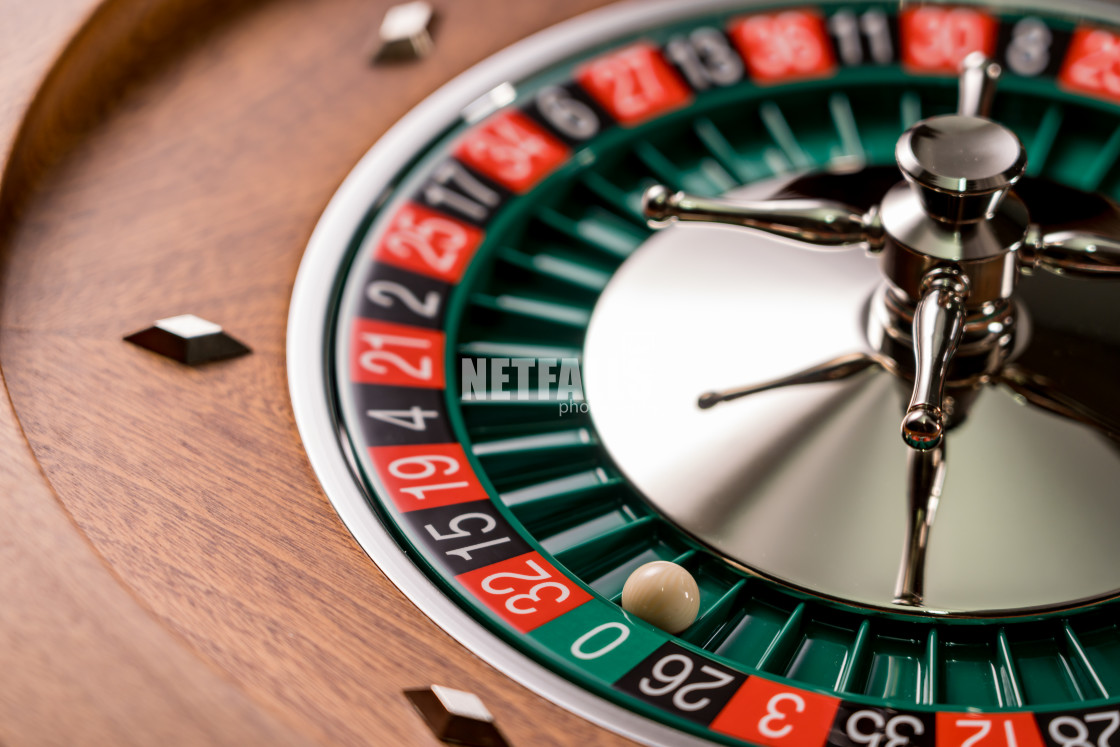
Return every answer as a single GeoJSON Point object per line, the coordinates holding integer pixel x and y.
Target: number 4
{"type": "Point", "coordinates": [413, 418]}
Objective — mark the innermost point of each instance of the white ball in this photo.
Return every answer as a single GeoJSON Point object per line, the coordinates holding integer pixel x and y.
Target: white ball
{"type": "Point", "coordinates": [663, 594]}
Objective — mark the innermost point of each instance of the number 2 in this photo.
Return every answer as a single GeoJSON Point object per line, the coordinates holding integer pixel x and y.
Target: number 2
{"type": "Point", "coordinates": [532, 595]}
{"type": "Point", "coordinates": [381, 292]}
{"type": "Point", "coordinates": [676, 682]}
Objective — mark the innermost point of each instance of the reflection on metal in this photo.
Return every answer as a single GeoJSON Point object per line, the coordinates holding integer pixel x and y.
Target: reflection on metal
{"type": "Point", "coordinates": [960, 166]}
{"type": "Point", "coordinates": [953, 241]}
{"type": "Point", "coordinates": [188, 339]}
{"type": "Point", "coordinates": [456, 716]}
{"type": "Point", "coordinates": [1035, 390]}
{"type": "Point", "coordinates": [489, 102]}
{"type": "Point", "coordinates": [963, 164]}
{"type": "Point", "coordinates": [807, 484]}
{"type": "Point", "coordinates": [938, 325]}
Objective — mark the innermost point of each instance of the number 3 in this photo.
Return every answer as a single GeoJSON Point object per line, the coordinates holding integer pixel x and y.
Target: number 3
{"type": "Point", "coordinates": [774, 714]}
{"type": "Point", "coordinates": [534, 595]}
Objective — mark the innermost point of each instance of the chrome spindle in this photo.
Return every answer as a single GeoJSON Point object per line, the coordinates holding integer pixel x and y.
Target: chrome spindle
{"type": "Point", "coordinates": [977, 85]}
{"type": "Point", "coordinates": [924, 482]}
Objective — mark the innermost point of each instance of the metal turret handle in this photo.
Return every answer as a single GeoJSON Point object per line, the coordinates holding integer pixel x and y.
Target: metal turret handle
{"type": "Point", "coordinates": [1072, 253]}
{"type": "Point", "coordinates": [938, 323]}
{"type": "Point", "coordinates": [817, 222]}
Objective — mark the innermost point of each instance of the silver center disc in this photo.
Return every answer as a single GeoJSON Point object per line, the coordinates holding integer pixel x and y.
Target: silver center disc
{"type": "Point", "coordinates": [807, 485]}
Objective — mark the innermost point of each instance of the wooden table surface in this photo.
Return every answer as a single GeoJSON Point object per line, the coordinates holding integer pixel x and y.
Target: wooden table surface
{"type": "Point", "coordinates": [170, 570]}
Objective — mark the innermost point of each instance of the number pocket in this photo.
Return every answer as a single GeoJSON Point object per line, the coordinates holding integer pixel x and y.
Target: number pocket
{"type": "Point", "coordinates": [385, 353]}
{"type": "Point", "coordinates": [428, 243]}
{"type": "Point", "coordinates": [418, 477]}
{"type": "Point", "coordinates": [526, 591]}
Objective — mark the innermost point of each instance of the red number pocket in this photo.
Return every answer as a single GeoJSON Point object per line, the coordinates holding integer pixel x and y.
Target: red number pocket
{"type": "Point", "coordinates": [512, 150]}
{"type": "Point", "coordinates": [525, 591]}
{"type": "Point", "coordinates": [428, 243]}
{"type": "Point", "coordinates": [426, 476]}
{"type": "Point", "coordinates": [783, 46]}
{"type": "Point", "coordinates": [634, 84]}
{"type": "Point", "coordinates": [770, 713]}
{"type": "Point", "coordinates": [937, 39]}
{"type": "Point", "coordinates": [1092, 64]}
{"type": "Point", "coordinates": [386, 353]}
{"type": "Point", "coordinates": [987, 730]}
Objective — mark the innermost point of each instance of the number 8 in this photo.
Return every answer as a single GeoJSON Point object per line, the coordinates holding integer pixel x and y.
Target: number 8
{"type": "Point", "coordinates": [1028, 54]}
{"type": "Point", "coordinates": [1080, 737]}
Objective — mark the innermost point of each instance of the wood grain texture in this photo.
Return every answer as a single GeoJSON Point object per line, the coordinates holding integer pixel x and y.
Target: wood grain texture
{"type": "Point", "coordinates": [190, 185]}
{"type": "Point", "coordinates": [118, 45]}
{"type": "Point", "coordinates": [31, 38]}
{"type": "Point", "coordinates": [83, 663]}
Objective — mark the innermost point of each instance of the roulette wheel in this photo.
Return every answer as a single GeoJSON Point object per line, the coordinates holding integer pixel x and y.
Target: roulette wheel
{"type": "Point", "coordinates": [510, 392]}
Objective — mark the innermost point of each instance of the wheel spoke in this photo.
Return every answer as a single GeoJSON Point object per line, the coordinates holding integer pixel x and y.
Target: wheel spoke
{"type": "Point", "coordinates": [836, 369]}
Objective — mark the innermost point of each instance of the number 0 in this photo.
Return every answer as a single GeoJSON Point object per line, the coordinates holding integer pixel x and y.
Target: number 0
{"type": "Point", "coordinates": [577, 646]}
